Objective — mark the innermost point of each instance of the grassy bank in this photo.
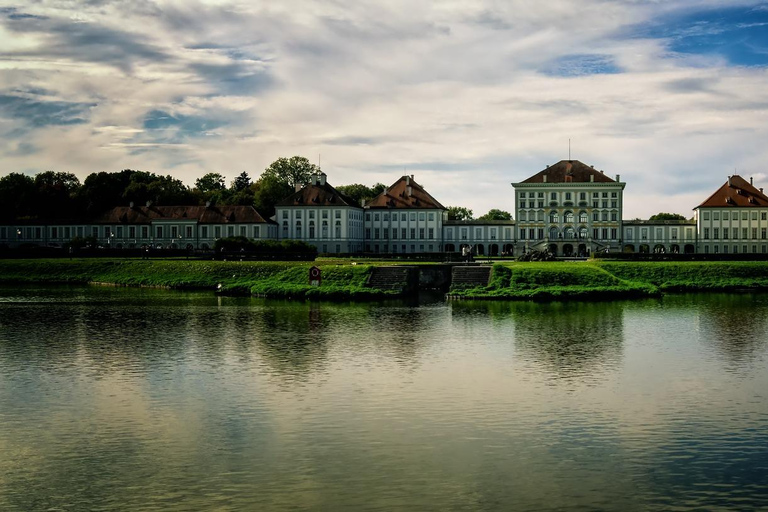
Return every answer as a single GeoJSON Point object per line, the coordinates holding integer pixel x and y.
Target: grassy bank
{"type": "Point", "coordinates": [269, 279]}
{"type": "Point", "coordinates": [610, 280]}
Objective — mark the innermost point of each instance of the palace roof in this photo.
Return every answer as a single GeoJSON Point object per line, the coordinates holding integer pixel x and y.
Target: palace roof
{"type": "Point", "coordinates": [736, 192]}
{"type": "Point", "coordinates": [405, 193]}
{"type": "Point", "coordinates": [318, 194]}
{"type": "Point", "coordinates": [569, 171]}
{"type": "Point", "coordinates": [201, 214]}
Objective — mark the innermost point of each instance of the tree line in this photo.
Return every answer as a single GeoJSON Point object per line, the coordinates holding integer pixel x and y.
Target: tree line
{"type": "Point", "coordinates": [61, 195]}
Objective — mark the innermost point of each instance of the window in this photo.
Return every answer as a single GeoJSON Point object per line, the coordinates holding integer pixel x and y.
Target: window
{"type": "Point", "coordinates": [431, 216]}
{"type": "Point", "coordinates": [478, 233]}
{"type": "Point", "coordinates": [582, 196]}
{"type": "Point", "coordinates": [605, 204]}
{"type": "Point", "coordinates": [337, 230]}
{"type": "Point", "coordinates": [132, 232]}
{"type": "Point", "coordinates": [402, 217]}
{"type": "Point", "coordinates": [231, 230]}
{"type": "Point", "coordinates": [644, 233]}
{"type": "Point", "coordinates": [569, 217]}
{"type": "Point", "coordinates": [715, 215]}
{"type": "Point", "coordinates": [217, 232]}
{"type": "Point", "coordinates": [725, 215]}
{"type": "Point", "coordinates": [744, 217]}
{"type": "Point", "coordinates": [285, 214]}
{"type": "Point", "coordinates": [298, 214]}
{"type": "Point", "coordinates": [594, 233]}
{"type": "Point", "coordinates": [659, 234]}
{"type": "Point", "coordinates": [404, 233]}
{"type": "Point", "coordinates": [605, 194]}
{"type": "Point", "coordinates": [628, 234]}
{"type": "Point", "coordinates": [523, 216]}
{"type": "Point", "coordinates": [368, 217]}
{"type": "Point", "coordinates": [376, 233]}
{"type": "Point", "coordinates": [298, 229]}
{"type": "Point", "coordinates": [421, 233]}
{"type": "Point", "coordinates": [595, 204]}
{"type": "Point", "coordinates": [144, 231]}
{"type": "Point", "coordinates": [754, 233]}
{"type": "Point", "coordinates": [595, 216]}
{"type": "Point", "coordinates": [614, 194]}
{"type": "Point", "coordinates": [493, 234]}
{"type": "Point", "coordinates": [422, 216]}
{"type": "Point", "coordinates": [614, 216]}
{"type": "Point", "coordinates": [522, 204]}
{"type": "Point", "coordinates": [583, 217]}
{"type": "Point", "coordinates": [553, 196]}
{"type": "Point", "coordinates": [256, 232]}
{"type": "Point", "coordinates": [285, 229]}
{"type": "Point", "coordinates": [324, 227]}
{"type": "Point", "coordinates": [54, 232]}
{"type": "Point", "coordinates": [189, 232]}
{"type": "Point", "coordinates": [706, 233]}
{"type": "Point", "coordinates": [368, 233]}
{"type": "Point", "coordinates": [376, 217]}
{"type": "Point", "coordinates": [413, 233]}
{"type": "Point", "coordinates": [554, 217]}
{"type": "Point", "coordinates": [706, 215]}
{"type": "Point", "coordinates": [312, 230]}
{"type": "Point", "coordinates": [431, 233]}
{"type": "Point", "coordinates": [337, 215]}
{"type": "Point", "coordinates": [613, 233]}
{"type": "Point", "coordinates": [394, 233]}
{"type": "Point", "coordinates": [312, 215]}
{"type": "Point", "coordinates": [159, 232]}
{"type": "Point", "coordinates": [605, 216]}
{"type": "Point", "coordinates": [464, 233]}
{"type": "Point", "coordinates": [605, 233]}
{"type": "Point", "coordinates": [540, 195]}
{"type": "Point", "coordinates": [567, 196]}
{"type": "Point", "coordinates": [716, 233]}
{"type": "Point", "coordinates": [413, 217]}
{"type": "Point", "coordinates": [754, 215]}
{"type": "Point", "coordinates": [725, 233]}
{"type": "Point", "coordinates": [613, 204]}
{"type": "Point", "coordinates": [522, 234]}
{"type": "Point", "coordinates": [763, 216]}
{"type": "Point", "coordinates": [531, 233]}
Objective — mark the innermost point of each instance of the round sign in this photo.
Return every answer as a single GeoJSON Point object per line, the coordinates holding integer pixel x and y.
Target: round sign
{"type": "Point", "coordinates": [314, 272]}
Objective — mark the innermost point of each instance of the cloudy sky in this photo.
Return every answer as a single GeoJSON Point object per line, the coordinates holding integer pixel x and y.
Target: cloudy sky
{"type": "Point", "coordinates": [467, 96]}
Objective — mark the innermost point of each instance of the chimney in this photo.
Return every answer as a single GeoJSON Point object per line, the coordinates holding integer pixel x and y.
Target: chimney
{"type": "Point", "coordinates": [131, 205]}
{"type": "Point", "coordinates": [545, 178]}
{"type": "Point", "coordinates": [313, 179]}
{"type": "Point", "coordinates": [729, 181]}
{"type": "Point", "coordinates": [322, 179]}
{"type": "Point", "coordinates": [602, 172]}
{"type": "Point", "coordinates": [407, 180]}
{"type": "Point", "coordinates": [618, 177]}
{"type": "Point", "coordinates": [591, 178]}
{"type": "Point", "coordinates": [761, 190]}
{"type": "Point", "coordinates": [751, 182]}
{"type": "Point", "coordinates": [411, 177]}
{"type": "Point", "coordinates": [409, 190]}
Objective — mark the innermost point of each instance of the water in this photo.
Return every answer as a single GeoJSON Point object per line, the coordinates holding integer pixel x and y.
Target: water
{"type": "Point", "coordinates": [123, 399]}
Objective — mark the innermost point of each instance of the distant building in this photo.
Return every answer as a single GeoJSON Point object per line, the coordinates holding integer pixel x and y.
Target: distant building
{"type": "Point", "coordinates": [322, 216]}
{"type": "Point", "coordinates": [404, 218]}
{"type": "Point", "coordinates": [570, 209]}
{"type": "Point", "coordinates": [734, 219]}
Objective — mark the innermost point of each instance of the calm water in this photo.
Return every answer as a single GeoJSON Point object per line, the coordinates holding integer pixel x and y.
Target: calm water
{"type": "Point", "coordinates": [120, 399]}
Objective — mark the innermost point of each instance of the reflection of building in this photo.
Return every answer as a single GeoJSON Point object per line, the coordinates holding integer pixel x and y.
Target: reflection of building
{"type": "Point", "coordinates": [568, 208]}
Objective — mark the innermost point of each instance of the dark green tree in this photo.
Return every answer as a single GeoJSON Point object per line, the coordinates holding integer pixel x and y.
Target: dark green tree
{"type": "Point", "coordinates": [495, 214]}
{"type": "Point", "coordinates": [18, 195]}
{"type": "Point", "coordinates": [459, 213]}
{"type": "Point", "coordinates": [292, 171]}
{"type": "Point", "coordinates": [242, 182]}
{"type": "Point", "coordinates": [667, 216]}
{"type": "Point", "coordinates": [210, 182]}
{"type": "Point", "coordinates": [268, 191]}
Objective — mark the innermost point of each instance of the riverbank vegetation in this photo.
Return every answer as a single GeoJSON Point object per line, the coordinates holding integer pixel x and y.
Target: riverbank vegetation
{"type": "Point", "coordinates": [345, 279]}
{"type": "Point", "coordinates": [262, 278]}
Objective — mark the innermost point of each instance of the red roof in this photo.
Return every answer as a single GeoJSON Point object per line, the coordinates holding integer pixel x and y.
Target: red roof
{"type": "Point", "coordinates": [569, 171]}
{"type": "Point", "coordinates": [201, 214]}
{"type": "Point", "coordinates": [736, 192]}
{"type": "Point", "coordinates": [405, 193]}
{"type": "Point", "coordinates": [318, 195]}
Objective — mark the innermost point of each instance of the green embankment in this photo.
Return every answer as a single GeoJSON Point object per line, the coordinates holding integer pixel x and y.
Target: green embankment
{"type": "Point", "coordinates": [609, 280]}
{"type": "Point", "coordinates": [273, 279]}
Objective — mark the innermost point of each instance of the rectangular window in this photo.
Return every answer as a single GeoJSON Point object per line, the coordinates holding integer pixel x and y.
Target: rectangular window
{"type": "Point", "coordinates": [674, 233]}
{"type": "Point", "coordinates": [605, 194]}
{"type": "Point", "coordinates": [595, 216]}
{"type": "Point", "coordinates": [385, 231]}
{"type": "Point", "coordinates": [230, 230]}
{"type": "Point", "coordinates": [159, 232]}
{"type": "Point", "coordinates": [413, 233]}
{"type": "Point", "coordinates": [413, 217]}
{"type": "Point", "coordinates": [522, 233]}
{"type": "Point", "coordinates": [189, 231]}
{"type": "Point", "coordinates": [204, 231]}
{"type": "Point", "coordinates": [243, 230]}
{"type": "Point", "coordinates": [493, 233]}
{"type": "Point", "coordinates": [119, 232]}
{"type": "Point", "coordinates": [725, 216]}
{"type": "Point", "coordinates": [744, 233]}
{"type": "Point", "coordinates": [605, 204]}
{"type": "Point", "coordinates": [132, 232]}
{"type": "Point", "coordinates": [706, 215]}
{"type": "Point", "coordinates": [402, 217]}
{"type": "Point", "coordinates": [325, 216]}
{"type": "Point", "coordinates": [298, 214]}
{"type": "Point", "coordinates": [256, 232]}
{"type": "Point", "coordinates": [367, 217]}
{"type": "Point", "coordinates": [522, 204]}
{"type": "Point", "coordinates": [628, 235]}
{"type": "Point", "coordinates": [394, 233]}
{"type": "Point", "coordinates": [464, 233]}
{"type": "Point", "coordinates": [540, 233]}
{"type": "Point", "coordinates": [762, 233]}
{"type": "Point", "coordinates": [613, 233]}
{"type": "Point", "coordinates": [613, 204]}
{"type": "Point", "coordinates": [595, 233]}
{"type": "Point", "coordinates": [368, 233]}
{"type": "Point", "coordinates": [422, 216]}
{"type": "Point", "coordinates": [725, 233]}
{"type": "Point", "coordinates": [376, 233]}
{"type": "Point", "coordinates": [614, 194]}
{"type": "Point", "coordinates": [404, 233]}
{"type": "Point", "coordinates": [285, 214]}
{"type": "Point", "coordinates": [715, 215]}
{"type": "Point", "coordinates": [145, 232]}
{"type": "Point", "coordinates": [376, 217]}
{"type": "Point", "coordinates": [744, 217]}
{"type": "Point", "coordinates": [312, 215]}
{"type": "Point", "coordinates": [754, 233]}
{"type": "Point", "coordinates": [174, 231]}
{"type": "Point", "coordinates": [614, 215]}
{"type": "Point", "coordinates": [595, 204]}
{"type": "Point", "coordinates": [217, 232]}
{"type": "Point", "coordinates": [431, 233]}
{"type": "Point", "coordinates": [763, 215]}
{"type": "Point", "coordinates": [553, 196]}
{"type": "Point", "coordinates": [337, 215]}
{"type": "Point", "coordinates": [107, 232]}
{"type": "Point", "coordinates": [421, 233]}
{"type": "Point", "coordinates": [644, 233]}
{"type": "Point", "coordinates": [754, 215]}
{"type": "Point", "coordinates": [567, 196]}
{"type": "Point", "coordinates": [582, 196]}
{"type": "Point", "coordinates": [605, 233]}
{"type": "Point", "coordinates": [431, 216]}
{"type": "Point", "coordinates": [80, 231]}
{"type": "Point", "coordinates": [716, 233]}
{"type": "Point", "coordinates": [706, 233]}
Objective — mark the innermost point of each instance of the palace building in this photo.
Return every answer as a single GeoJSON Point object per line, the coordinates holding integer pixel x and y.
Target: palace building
{"type": "Point", "coordinates": [569, 209]}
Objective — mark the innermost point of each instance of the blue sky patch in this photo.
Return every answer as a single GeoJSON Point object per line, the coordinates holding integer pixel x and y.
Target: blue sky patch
{"type": "Point", "coordinates": [738, 34]}
{"type": "Point", "coordinates": [174, 128]}
{"type": "Point", "coordinates": [44, 113]}
{"type": "Point", "coordinates": [582, 65]}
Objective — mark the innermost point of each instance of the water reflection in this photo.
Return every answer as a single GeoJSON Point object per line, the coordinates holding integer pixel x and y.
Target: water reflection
{"type": "Point", "coordinates": [153, 400]}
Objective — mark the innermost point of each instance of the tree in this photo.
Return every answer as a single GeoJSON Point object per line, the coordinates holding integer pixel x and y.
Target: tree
{"type": "Point", "coordinates": [242, 182]}
{"type": "Point", "coordinates": [267, 192]}
{"type": "Point", "coordinates": [17, 196]}
{"type": "Point", "coordinates": [292, 171]}
{"type": "Point", "coordinates": [459, 213]}
{"type": "Point", "coordinates": [211, 182]}
{"type": "Point", "coordinates": [495, 214]}
{"type": "Point", "coordinates": [55, 194]}
{"type": "Point", "coordinates": [667, 216]}
{"type": "Point", "coordinates": [360, 192]}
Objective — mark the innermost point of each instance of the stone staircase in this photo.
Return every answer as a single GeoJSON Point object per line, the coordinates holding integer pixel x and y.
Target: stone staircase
{"type": "Point", "coordinates": [470, 276]}
{"type": "Point", "coordinates": [391, 278]}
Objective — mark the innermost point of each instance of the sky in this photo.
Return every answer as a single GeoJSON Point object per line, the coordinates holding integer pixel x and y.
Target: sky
{"type": "Point", "coordinates": [468, 97]}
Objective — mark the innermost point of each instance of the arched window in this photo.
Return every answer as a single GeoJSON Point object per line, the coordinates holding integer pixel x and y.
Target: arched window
{"type": "Point", "coordinates": [523, 216]}
{"type": "Point", "coordinates": [569, 217]}
{"type": "Point", "coordinates": [583, 233]}
{"type": "Point", "coordinates": [553, 232]}
{"type": "Point", "coordinates": [569, 233]}
{"type": "Point", "coordinates": [582, 217]}
{"type": "Point", "coordinates": [554, 218]}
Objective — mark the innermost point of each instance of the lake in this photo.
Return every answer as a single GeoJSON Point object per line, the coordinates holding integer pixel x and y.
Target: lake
{"type": "Point", "coordinates": [139, 399]}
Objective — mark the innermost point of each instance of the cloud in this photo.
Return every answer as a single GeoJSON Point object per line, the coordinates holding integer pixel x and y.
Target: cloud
{"type": "Point", "coordinates": [470, 97]}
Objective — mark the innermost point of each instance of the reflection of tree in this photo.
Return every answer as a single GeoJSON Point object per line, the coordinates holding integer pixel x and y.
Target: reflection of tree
{"type": "Point", "coordinates": [735, 325]}
{"type": "Point", "coordinates": [576, 340]}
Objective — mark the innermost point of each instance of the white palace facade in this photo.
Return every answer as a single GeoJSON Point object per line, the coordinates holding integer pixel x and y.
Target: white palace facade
{"type": "Point", "coordinates": [568, 208]}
